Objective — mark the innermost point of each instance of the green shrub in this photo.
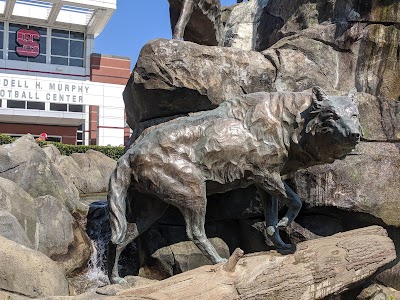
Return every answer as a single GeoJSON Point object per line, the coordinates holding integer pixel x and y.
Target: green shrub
{"type": "Point", "coordinates": [5, 139]}
{"type": "Point", "coordinates": [65, 149]}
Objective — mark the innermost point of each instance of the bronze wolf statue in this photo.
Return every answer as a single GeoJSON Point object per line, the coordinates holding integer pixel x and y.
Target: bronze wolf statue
{"type": "Point", "coordinates": [252, 139]}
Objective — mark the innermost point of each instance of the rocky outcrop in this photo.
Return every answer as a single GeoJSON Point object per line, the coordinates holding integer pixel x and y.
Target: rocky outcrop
{"type": "Point", "coordinates": [27, 165]}
{"type": "Point", "coordinates": [338, 45]}
{"type": "Point", "coordinates": [29, 273]}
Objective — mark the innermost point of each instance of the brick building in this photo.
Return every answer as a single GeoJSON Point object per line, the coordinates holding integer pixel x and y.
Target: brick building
{"type": "Point", "coordinates": [50, 79]}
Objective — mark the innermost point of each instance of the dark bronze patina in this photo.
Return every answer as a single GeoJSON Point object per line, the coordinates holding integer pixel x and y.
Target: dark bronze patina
{"type": "Point", "coordinates": [252, 139]}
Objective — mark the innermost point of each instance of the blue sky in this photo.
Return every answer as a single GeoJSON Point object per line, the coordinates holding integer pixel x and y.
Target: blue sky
{"type": "Point", "coordinates": [134, 23]}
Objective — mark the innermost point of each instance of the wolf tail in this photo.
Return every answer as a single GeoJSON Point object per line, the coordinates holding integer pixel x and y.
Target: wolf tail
{"type": "Point", "coordinates": [119, 183]}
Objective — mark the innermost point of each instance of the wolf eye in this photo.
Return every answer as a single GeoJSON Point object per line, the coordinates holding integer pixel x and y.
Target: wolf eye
{"type": "Point", "coordinates": [354, 116]}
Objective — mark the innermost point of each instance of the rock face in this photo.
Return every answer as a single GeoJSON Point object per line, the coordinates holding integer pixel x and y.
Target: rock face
{"type": "Point", "coordinates": [242, 25]}
{"type": "Point", "coordinates": [365, 182]}
{"type": "Point", "coordinates": [31, 213]}
{"type": "Point", "coordinates": [29, 273]}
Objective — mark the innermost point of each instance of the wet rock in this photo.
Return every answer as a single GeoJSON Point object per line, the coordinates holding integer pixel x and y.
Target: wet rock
{"type": "Point", "coordinates": [29, 273]}
{"type": "Point", "coordinates": [132, 281]}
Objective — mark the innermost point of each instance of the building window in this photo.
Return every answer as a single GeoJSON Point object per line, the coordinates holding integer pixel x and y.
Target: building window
{"type": "Point", "coordinates": [58, 107]}
{"type": "Point", "coordinates": [75, 108]}
{"type": "Point", "coordinates": [80, 136]}
{"type": "Point", "coordinates": [36, 105]}
{"type": "Point", "coordinates": [16, 104]}
{"type": "Point", "coordinates": [20, 43]}
{"type": "Point", "coordinates": [1, 39]}
{"type": "Point", "coordinates": [67, 48]}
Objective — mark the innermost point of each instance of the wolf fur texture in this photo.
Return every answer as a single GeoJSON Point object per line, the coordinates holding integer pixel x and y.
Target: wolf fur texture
{"type": "Point", "coordinates": [252, 139]}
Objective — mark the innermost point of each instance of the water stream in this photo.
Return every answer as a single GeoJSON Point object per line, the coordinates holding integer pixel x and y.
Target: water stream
{"type": "Point", "coordinates": [99, 232]}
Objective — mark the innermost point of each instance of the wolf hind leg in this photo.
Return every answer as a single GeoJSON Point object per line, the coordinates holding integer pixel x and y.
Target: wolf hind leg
{"type": "Point", "coordinates": [195, 221]}
{"type": "Point", "coordinates": [186, 12]}
{"type": "Point", "coordinates": [152, 209]}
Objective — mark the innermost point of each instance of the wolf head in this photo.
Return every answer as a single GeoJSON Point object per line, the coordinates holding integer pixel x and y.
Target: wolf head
{"type": "Point", "coordinates": [333, 128]}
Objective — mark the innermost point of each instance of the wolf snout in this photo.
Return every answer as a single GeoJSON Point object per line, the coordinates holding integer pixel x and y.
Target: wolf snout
{"type": "Point", "coordinates": [355, 136]}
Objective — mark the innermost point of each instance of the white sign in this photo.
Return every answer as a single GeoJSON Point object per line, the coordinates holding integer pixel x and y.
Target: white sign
{"type": "Point", "coordinates": [45, 89]}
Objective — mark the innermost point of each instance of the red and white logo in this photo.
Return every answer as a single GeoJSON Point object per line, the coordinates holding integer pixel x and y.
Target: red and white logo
{"type": "Point", "coordinates": [27, 40]}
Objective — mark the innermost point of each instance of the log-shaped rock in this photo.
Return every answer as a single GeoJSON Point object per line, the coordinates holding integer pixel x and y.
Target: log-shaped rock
{"type": "Point", "coordinates": [317, 269]}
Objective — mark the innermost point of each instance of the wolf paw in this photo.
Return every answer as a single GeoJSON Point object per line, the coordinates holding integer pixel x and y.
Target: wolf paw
{"type": "Point", "coordinates": [283, 223]}
{"type": "Point", "coordinates": [118, 280]}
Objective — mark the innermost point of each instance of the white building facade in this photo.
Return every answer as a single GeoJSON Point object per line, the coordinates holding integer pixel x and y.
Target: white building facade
{"type": "Point", "coordinates": [50, 79]}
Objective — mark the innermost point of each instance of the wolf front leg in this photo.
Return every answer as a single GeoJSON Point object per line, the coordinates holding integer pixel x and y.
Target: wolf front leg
{"type": "Point", "coordinates": [294, 205]}
{"type": "Point", "coordinates": [270, 205]}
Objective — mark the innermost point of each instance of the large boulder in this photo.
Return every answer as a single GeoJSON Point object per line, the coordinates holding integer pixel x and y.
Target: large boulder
{"type": "Point", "coordinates": [22, 206]}
{"type": "Point", "coordinates": [60, 236]}
{"type": "Point", "coordinates": [97, 163]}
{"type": "Point", "coordinates": [43, 224]}
{"type": "Point", "coordinates": [89, 171]}
{"type": "Point", "coordinates": [29, 273]}
{"type": "Point", "coordinates": [11, 229]}
{"type": "Point", "coordinates": [181, 257]}
{"type": "Point", "coordinates": [26, 164]}
{"type": "Point", "coordinates": [174, 77]}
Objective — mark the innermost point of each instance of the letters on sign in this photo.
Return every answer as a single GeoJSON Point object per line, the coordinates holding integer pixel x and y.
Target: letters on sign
{"type": "Point", "coordinates": [27, 40]}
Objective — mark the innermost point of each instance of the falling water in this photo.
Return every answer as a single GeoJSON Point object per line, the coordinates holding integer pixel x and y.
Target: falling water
{"type": "Point", "coordinates": [99, 232]}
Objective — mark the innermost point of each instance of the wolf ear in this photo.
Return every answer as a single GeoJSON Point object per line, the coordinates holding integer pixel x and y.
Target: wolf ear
{"type": "Point", "coordinates": [318, 94]}
{"type": "Point", "coordinates": [352, 94]}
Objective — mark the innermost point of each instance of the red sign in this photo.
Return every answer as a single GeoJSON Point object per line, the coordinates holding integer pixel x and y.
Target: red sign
{"type": "Point", "coordinates": [27, 40]}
